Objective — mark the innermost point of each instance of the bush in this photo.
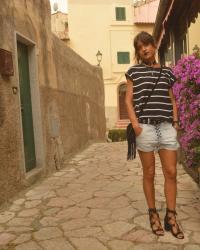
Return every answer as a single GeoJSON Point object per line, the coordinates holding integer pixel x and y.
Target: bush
{"type": "Point", "coordinates": [187, 94]}
{"type": "Point", "coordinates": [117, 135]}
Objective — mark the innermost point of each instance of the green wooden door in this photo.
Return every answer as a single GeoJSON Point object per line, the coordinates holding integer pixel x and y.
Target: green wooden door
{"type": "Point", "coordinates": [26, 107]}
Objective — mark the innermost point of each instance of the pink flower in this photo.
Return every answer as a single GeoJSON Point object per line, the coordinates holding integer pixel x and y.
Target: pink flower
{"type": "Point", "coordinates": [187, 93]}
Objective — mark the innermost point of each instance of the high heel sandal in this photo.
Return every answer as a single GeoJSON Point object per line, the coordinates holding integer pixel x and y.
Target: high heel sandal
{"type": "Point", "coordinates": [155, 222]}
{"type": "Point", "coordinates": [171, 224]}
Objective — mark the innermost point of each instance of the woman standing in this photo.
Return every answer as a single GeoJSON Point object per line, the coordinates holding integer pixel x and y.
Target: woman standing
{"type": "Point", "coordinates": [155, 128]}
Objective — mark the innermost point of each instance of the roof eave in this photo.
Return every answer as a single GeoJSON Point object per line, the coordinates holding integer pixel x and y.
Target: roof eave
{"type": "Point", "coordinates": [162, 9]}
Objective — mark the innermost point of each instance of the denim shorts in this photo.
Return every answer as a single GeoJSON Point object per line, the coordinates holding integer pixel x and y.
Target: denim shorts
{"type": "Point", "coordinates": [155, 137]}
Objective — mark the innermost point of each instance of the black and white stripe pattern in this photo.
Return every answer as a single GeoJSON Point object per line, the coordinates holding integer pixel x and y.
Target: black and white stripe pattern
{"type": "Point", "coordinates": [143, 77]}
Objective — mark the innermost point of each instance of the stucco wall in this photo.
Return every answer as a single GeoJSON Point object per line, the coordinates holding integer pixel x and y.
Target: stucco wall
{"type": "Point", "coordinates": [67, 97]}
{"type": "Point", "coordinates": [121, 40]}
{"type": "Point", "coordinates": [110, 37]}
{"type": "Point", "coordinates": [194, 35]}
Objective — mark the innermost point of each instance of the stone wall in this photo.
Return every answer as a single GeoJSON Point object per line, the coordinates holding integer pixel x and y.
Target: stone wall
{"type": "Point", "coordinates": [67, 97]}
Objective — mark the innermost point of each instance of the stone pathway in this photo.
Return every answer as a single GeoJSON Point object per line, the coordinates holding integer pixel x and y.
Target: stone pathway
{"type": "Point", "coordinates": [97, 203]}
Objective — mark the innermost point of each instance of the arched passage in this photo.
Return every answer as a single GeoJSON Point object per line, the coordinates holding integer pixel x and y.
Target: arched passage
{"type": "Point", "coordinates": [122, 106]}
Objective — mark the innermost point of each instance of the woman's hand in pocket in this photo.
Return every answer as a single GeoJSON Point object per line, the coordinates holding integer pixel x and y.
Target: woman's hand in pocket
{"type": "Point", "coordinates": [176, 126]}
{"type": "Point", "coordinates": [138, 130]}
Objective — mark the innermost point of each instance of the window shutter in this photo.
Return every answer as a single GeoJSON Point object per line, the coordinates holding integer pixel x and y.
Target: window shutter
{"type": "Point", "coordinates": [120, 13]}
{"type": "Point", "coordinates": [123, 57]}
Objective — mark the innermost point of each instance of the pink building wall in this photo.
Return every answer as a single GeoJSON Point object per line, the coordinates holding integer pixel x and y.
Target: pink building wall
{"type": "Point", "coordinates": [146, 13]}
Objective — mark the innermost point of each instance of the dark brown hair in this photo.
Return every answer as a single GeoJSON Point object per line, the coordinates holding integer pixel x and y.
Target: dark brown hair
{"type": "Point", "coordinates": [144, 38]}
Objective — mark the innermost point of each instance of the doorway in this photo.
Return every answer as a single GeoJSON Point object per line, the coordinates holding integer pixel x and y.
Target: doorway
{"type": "Point", "coordinates": [123, 115]}
{"type": "Point", "coordinates": [26, 106]}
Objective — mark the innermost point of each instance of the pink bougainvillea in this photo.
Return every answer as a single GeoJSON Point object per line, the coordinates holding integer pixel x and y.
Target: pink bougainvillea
{"type": "Point", "coordinates": [187, 94]}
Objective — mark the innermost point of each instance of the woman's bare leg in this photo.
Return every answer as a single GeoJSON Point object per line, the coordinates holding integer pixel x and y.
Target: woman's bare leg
{"type": "Point", "coordinates": [148, 164]}
{"type": "Point", "coordinates": [169, 160]}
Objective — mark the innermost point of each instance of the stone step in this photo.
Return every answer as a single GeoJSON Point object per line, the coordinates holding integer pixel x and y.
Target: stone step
{"type": "Point", "coordinates": [122, 124]}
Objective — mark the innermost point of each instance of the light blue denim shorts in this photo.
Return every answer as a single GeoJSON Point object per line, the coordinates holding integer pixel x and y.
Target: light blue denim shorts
{"type": "Point", "coordinates": [156, 137]}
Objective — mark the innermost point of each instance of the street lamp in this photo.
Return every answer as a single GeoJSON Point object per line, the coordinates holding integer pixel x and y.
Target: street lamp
{"type": "Point", "coordinates": [99, 57]}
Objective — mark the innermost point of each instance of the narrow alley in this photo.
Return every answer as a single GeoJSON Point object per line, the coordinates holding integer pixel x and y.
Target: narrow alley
{"type": "Point", "coordinates": [96, 203]}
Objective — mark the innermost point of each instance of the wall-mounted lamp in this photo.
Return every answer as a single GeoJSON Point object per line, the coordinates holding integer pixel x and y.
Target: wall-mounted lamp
{"type": "Point", "coordinates": [99, 57]}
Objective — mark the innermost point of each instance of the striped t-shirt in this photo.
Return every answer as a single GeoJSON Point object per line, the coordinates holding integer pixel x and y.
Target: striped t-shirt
{"type": "Point", "coordinates": [159, 105]}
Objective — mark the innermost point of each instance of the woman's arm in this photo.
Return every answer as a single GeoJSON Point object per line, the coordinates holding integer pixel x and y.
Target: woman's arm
{"type": "Point", "coordinates": [130, 108]}
{"type": "Point", "coordinates": [175, 111]}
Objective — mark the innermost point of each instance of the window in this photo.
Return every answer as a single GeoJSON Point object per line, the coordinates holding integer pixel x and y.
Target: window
{"type": "Point", "coordinates": [120, 13]}
{"type": "Point", "coordinates": [123, 57]}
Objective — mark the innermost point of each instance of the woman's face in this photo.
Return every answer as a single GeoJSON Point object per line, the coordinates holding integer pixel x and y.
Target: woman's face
{"type": "Point", "coordinates": [146, 52]}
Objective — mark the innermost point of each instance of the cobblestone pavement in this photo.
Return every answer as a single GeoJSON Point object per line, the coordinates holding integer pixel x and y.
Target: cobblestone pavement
{"type": "Point", "coordinates": [96, 203]}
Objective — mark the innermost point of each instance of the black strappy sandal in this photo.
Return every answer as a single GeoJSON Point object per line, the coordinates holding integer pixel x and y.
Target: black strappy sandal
{"type": "Point", "coordinates": [171, 224]}
{"type": "Point", "coordinates": [155, 222]}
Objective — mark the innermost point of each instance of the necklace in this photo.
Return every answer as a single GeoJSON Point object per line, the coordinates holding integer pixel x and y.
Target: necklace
{"type": "Point", "coordinates": [151, 65]}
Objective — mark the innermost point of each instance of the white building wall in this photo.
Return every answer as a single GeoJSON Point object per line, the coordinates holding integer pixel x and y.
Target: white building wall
{"type": "Point", "coordinates": [93, 27]}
